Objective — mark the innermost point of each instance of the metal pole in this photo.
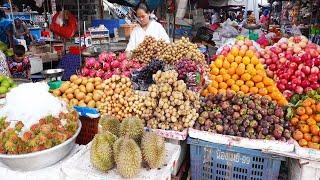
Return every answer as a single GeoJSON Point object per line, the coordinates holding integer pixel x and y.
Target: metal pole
{"type": "Point", "coordinates": [11, 11]}
{"type": "Point", "coordinates": [79, 29]}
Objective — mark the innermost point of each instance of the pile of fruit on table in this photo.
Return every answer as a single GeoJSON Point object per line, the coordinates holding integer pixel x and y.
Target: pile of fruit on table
{"type": "Point", "coordinates": [6, 84]}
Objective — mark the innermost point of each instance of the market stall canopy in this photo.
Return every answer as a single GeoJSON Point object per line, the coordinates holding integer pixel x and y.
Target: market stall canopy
{"type": "Point", "coordinates": [153, 4]}
{"type": "Point", "coordinates": [236, 2]}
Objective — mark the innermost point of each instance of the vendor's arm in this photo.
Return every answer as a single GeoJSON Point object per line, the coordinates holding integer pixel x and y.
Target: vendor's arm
{"type": "Point", "coordinates": [132, 42]}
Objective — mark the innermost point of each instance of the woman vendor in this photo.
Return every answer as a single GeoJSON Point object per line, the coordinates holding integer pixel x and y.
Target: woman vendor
{"type": "Point", "coordinates": [146, 27]}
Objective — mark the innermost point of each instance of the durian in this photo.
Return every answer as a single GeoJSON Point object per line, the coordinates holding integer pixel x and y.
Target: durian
{"type": "Point", "coordinates": [133, 127]}
{"type": "Point", "coordinates": [117, 147]}
{"type": "Point", "coordinates": [153, 149]}
{"type": "Point", "coordinates": [110, 123]}
{"type": "Point", "coordinates": [129, 158]}
{"type": "Point", "coordinates": [101, 154]}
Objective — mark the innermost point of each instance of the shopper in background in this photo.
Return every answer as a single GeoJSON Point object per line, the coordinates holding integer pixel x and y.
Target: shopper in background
{"type": "Point", "coordinates": [22, 31]}
{"type": "Point", "coordinates": [145, 28]}
{"type": "Point", "coordinates": [6, 30]}
{"type": "Point", "coordinates": [19, 64]}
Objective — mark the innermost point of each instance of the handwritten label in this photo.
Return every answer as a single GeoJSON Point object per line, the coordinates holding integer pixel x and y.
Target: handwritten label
{"type": "Point", "coordinates": [234, 157]}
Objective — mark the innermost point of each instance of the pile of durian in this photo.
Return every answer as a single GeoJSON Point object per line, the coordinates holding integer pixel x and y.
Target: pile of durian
{"type": "Point", "coordinates": [126, 146]}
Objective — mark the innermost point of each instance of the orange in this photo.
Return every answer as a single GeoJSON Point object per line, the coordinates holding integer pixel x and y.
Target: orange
{"type": "Point", "coordinates": [242, 52]}
{"type": "Point", "coordinates": [314, 129]}
{"type": "Point", "coordinates": [257, 78]}
{"type": "Point", "coordinates": [223, 85]}
{"type": "Point", "coordinates": [304, 128]}
{"type": "Point", "coordinates": [307, 136]}
{"type": "Point", "coordinates": [235, 88]}
{"type": "Point", "coordinates": [317, 117]}
{"type": "Point", "coordinates": [240, 70]}
{"type": "Point", "coordinates": [226, 77]}
{"type": "Point", "coordinates": [214, 71]}
{"type": "Point", "coordinates": [244, 88]}
{"type": "Point", "coordinates": [311, 121]}
{"type": "Point", "coordinates": [230, 58]}
{"type": "Point", "coordinates": [218, 62]}
{"type": "Point", "coordinates": [249, 53]}
{"type": "Point", "coordinates": [230, 82]}
{"type": "Point", "coordinates": [234, 51]}
{"type": "Point", "coordinates": [219, 78]}
{"type": "Point", "coordinates": [223, 71]}
{"type": "Point", "coordinates": [234, 65]}
{"type": "Point", "coordinates": [239, 83]}
{"type": "Point", "coordinates": [307, 102]}
{"type": "Point", "coordinates": [254, 90]}
{"type": "Point", "coordinates": [260, 85]}
{"type": "Point", "coordinates": [212, 65]}
{"type": "Point", "coordinates": [241, 65]}
{"type": "Point", "coordinates": [300, 111]}
{"type": "Point", "coordinates": [238, 59]}
{"type": "Point", "coordinates": [259, 67]}
{"type": "Point", "coordinates": [308, 110]}
{"type": "Point", "coordinates": [315, 139]}
{"type": "Point", "coordinates": [275, 95]}
{"type": "Point", "coordinates": [294, 121]}
{"type": "Point", "coordinates": [231, 70]}
{"type": "Point", "coordinates": [212, 90]}
{"type": "Point", "coordinates": [255, 60]}
{"type": "Point", "coordinates": [250, 83]}
{"type": "Point", "coordinates": [303, 142]}
{"type": "Point", "coordinates": [297, 135]}
{"type": "Point", "coordinates": [261, 72]}
{"type": "Point", "coordinates": [222, 91]}
{"type": "Point", "coordinates": [214, 84]}
{"type": "Point", "coordinates": [304, 117]}
{"type": "Point", "coordinates": [246, 77]}
{"type": "Point", "coordinates": [263, 91]}
{"type": "Point", "coordinates": [226, 64]}
{"type": "Point", "coordinates": [212, 77]}
{"type": "Point", "coordinates": [267, 81]}
{"type": "Point", "coordinates": [313, 145]}
{"type": "Point", "coordinates": [282, 102]}
{"type": "Point", "coordinates": [246, 60]}
{"type": "Point", "coordinates": [318, 107]}
{"type": "Point", "coordinates": [235, 77]}
{"type": "Point", "coordinates": [272, 89]}
{"type": "Point", "coordinates": [205, 92]}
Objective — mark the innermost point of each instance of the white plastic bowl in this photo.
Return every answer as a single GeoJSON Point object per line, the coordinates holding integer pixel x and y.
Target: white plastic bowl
{"type": "Point", "coordinates": [41, 159]}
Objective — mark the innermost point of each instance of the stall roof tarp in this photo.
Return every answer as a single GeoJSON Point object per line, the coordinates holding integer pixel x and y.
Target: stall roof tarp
{"type": "Point", "coordinates": [153, 4]}
{"type": "Point", "coordinates": [235, 2]}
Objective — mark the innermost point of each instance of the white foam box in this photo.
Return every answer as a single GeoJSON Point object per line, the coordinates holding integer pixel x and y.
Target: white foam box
{"type": "Point", "coordinates": [243, 142]}
{"type": "Point", "coordinates": [304, 169]}
{"type": "Point", "coordinates": [175, 167]}
{"type": "Point", "coordinates": [36, 65]}
{"type": "Point", "coordinates": [80, 168]}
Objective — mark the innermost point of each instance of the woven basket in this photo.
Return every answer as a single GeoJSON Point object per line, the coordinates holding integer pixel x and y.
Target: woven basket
{"type": "Point", "coordinates": [88, 130]}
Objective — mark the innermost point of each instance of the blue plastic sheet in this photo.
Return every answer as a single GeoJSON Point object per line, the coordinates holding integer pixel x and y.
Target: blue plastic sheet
{"type": "Point", "coordinates": [87, 112]}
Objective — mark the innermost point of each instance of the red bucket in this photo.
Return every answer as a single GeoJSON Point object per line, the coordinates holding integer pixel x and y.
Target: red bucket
{"type": "Point", "coordinates": [75, 50]}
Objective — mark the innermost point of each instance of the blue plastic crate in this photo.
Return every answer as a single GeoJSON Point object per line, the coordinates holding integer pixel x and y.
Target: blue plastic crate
{"type": "Point", "coordinates": [222, 162]}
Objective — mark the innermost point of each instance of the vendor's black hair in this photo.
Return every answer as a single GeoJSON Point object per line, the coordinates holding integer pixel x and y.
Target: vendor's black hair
{"type": "Point", "coordinates": [144, 6]}
{"type": "Point", "coordinates": [2, 14]}
{"type": "Point", "coordinates": [19, 50]}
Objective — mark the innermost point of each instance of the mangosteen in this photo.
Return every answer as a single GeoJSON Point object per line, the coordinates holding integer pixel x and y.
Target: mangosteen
{"type": "Point", "coordinates": [236, 107]}
{"type": "Point", "coordinates": [229, 95]}
{"type": "Point", "coordinates": [264, 100]}
{"type": "Point", "coordinates": [246, 123]}
{"type": "Point", "coordinates": [265, 131]}
{"type": "Point", "coordinates": [219, 129]}
{"type": "Point", "coordinates": [258, 116]}
{"type": "Point", "coordinates": [226, 127]}
{"type": "Point", "coordinates": [231, 132]}
{"type": "Point", "coordinates": [287, 133]}
{"type": "Point", "coordinates": [251, 105]}
{"type": "Point", "coordinates": [253, 124]}
{"type": "Point", "coordinates": [235, 128]}
{"type": "Point", "coordinates": [239, 134]}
{"type": "Point", "coordinates": [208, 123]}
{"type": "Point", "coordinates": [201, 120]}
{"type": "Point", "coordinates": [279, 112]}
{"type": "Point", "coordinates": [277, 133]}
{"type": "Point", "coordinates": [270, 112]}
{"type": "Point", "coordinates": [205, 115]}
{"type": "Point", "coordinates": [263, 112]}
{"type": "Point", "coordinates": [236, 115]}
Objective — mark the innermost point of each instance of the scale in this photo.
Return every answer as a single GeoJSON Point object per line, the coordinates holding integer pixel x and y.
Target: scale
{"type": "Point", "coordinates": [53, 77]}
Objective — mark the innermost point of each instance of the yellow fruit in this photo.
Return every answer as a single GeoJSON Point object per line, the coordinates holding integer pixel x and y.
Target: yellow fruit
{"type": "Point", "coordinates": [257, 78]}
{"type": "Point", "coordinates": [212, 90]}
{"type": "Point", "coordinates": [222, 91]}
{"type": "Point", "coordinates": [244, 88]}
{"type": "Point", "coordinates": [246, 77]}
{"type": "Point", "coordinates": [238, 59]}
{"type": "Point", "coordinates": [214, 84]}
{"type": "Point", "coordinates": [223, 71]}
{"type": "Point", "coordinates": [246, 60]}
{"type": "Point", "coordinates": [250, 83]}
{"type": "Point", "coordinates": [226, 64]}
{"type": "Point", "coordinates": [272, 89]}
{"type": "Point", "coordinates": [252, 72]}
{"type": "Point", "coordinates": [230, 58]}
{"type": "Point", "coordinates": [212, 65]}
{"type": "Point", "coordinates": [230, 82]}
{"type": "Point", "coordinates": [261, 72]}
{"type": "Point", "coordinates": [239, 83]}
{"type": "Point", "coordinates": [235, 88]}
{"type": "Point", "coordinates": [254, 90]}
{"type": "Point", "coordinates": [263, 91]}
{"type": "Point", "coordinates": [235, 77]}
{"type": "Point", "coordinates": [267, 81]}
{"type": "Point", "coordinates": [249, 66]}
{"type": "Point", "coordinates": [226, 77]}
{"type": "Point", "coordinates": [259, 67]}
{"type": "Point", "coordinates": [242, 52]}
{"type": "Point", "coordinates": [240, 71]}
{"type": "Point", "coordinates": [219, 78]}
{"type": "Point", "coordinates": [231, 70]}
{"type": "Point", "coordinates": [214, 71]}
{"type": "Point", "coordinates": [218, 62]}
{"type": "Point", "coordinates": [234, 51]}
{"type": "Point", "coordinates": [223, 85]}
{"type": "Point", "coordinates": [255, 60]}
{"type": "Point", "coordinates": [260, 85]}
{"type": "Point", "coordinates": [234, 65]}
{"type": "Point", "coordinates": [249, 53]}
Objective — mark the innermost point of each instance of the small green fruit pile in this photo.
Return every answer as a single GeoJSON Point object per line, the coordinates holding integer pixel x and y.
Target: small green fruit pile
{"type": "Point", "coordinates": [6, 84]}
{"type": "Point", "coordinates": [129, 149]}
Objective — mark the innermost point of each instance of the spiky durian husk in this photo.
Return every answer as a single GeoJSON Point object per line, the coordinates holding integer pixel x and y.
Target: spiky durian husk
{"type": "Point", "coordinates": [153, 149]}
{"type": "Point", "coordinates": [110, 123]}
{"type": "Point", "coordinates": [133, 127]}
{"type": "Point", "coordinates": [117, 147]}
{"type": "Point", "coordinates": [101, 154]}
{"type": "Point", "coordinates": [129, 158]}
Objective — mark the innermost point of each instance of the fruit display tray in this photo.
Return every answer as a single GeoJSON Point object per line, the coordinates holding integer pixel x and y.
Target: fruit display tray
{"type": "Point", "coordinates": [79, 167]}
{"type": "Point", "coordinates": [243, 142]}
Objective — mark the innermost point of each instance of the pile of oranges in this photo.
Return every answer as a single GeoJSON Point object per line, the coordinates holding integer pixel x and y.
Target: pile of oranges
{"type": "Point", "coordinates": [241, 70]}
{"type": "Point", "coordinates": [306, 122]}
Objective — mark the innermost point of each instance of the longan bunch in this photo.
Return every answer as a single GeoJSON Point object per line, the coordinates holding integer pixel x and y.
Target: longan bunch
{"type": "Point", "coordinates": [169, 104]}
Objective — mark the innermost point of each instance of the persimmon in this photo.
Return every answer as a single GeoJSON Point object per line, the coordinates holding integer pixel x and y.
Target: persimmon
{"type": "Point", "coordinates": [308, 110]}
{"type": "Point", "coordinates": [311, 121]}
{"type": "Point", "coordinates": [307, 102]}
{"type": "Point", "coordinates": [297, 135]}
{"type": "Point", "coordinates": [303, 142]}
{"type": "Point", "coordinates": [307, 137]}
{"type": "Point", "coordinates": [205, 92]}
{"type": "Point", "coordinates": [304, 117]}
{"type": "Point", "coordinates": [317, 117]}
{"type": "Point", "coordinates": [294, 121]}
{"type": "Point", "coordinates": [315, 139]}
{"type": "Point", "coordinates": [318, 107]}
{"type": "Point", "coordinates": [314, 129]}
{"type": "Point", "coordinates": [300, 110]}
{"type": "Point", "coordinates": [304, 128]}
